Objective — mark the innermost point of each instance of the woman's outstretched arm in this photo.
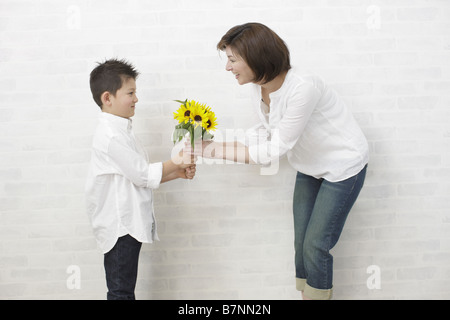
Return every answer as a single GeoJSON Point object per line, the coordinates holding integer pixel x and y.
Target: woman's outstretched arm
{"type": "Point", "coordinates": [232, 151]}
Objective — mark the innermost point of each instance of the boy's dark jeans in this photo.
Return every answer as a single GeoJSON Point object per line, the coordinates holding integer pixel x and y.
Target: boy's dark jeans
{"type": "Point", "coordinates": [121, 266]}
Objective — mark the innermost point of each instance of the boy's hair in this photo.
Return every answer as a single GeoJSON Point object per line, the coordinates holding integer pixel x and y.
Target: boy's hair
{"type": "Point", "coordinates": [109, 76]}
{"type": "Point", "coordinates": [261, 48]}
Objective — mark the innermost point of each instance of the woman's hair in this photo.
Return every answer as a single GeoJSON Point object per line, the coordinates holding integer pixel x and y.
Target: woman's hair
{"type": "Point", "coordinates": [261, 48]}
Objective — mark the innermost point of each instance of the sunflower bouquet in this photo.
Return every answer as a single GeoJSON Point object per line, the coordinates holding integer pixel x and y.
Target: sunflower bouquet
{"type": "Point", "coordinates": [196, 119]}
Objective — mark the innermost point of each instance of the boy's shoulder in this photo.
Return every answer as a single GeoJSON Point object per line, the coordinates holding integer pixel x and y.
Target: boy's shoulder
{"type": "Point", "coordinates": [104, 133]}
{"type": "Point", "coordinates": [107, 130]}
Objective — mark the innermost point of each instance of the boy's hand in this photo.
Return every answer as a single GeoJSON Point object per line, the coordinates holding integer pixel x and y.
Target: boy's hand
{"type": "Point", "coordinates": [188, 173]}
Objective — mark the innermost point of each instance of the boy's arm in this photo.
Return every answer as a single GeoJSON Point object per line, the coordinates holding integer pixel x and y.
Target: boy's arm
{"type": "Point", "coordinates": [187, 173]}
{"type": "Point", "coordinates": [169, 177]}
{"type": "Point", "coordinates": [134, 166]}
{"type": "Point", "coordinates": [178, 161]}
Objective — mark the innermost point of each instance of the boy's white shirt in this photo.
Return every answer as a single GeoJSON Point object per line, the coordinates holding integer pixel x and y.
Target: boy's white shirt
{"type": "Point", "coordinates": [119, 185]}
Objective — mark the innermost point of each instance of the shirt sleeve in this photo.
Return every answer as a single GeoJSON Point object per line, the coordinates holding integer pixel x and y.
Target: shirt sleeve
{"type": "Point", "coordinates": [133, 166]}
{"type": "Point", "coordinates": [266, 148]}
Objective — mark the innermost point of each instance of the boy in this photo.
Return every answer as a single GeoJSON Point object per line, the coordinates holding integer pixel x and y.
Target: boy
{"type": "Point", "coordinates": [120, 180]}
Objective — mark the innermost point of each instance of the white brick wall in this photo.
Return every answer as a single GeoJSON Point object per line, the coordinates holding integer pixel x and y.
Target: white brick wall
{"type": "Point", "coordinates": [227, 234]}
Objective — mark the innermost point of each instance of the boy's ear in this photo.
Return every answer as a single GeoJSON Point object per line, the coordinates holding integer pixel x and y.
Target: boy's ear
{"type": "Point", "coordinates": [106, 98]}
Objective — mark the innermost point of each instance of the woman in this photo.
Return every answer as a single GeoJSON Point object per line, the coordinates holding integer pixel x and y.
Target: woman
{"type": "Point", "coordinates": [304, 119]}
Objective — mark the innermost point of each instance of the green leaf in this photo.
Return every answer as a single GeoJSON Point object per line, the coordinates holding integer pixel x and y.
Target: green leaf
{"type": "Point", "coordinates": [186, 125]}
{"type": "Point", "coordinates": [207, 136]}
{"type": "Point", "coordinates": [182, 102]}
{"type": "Point", "coordinates": [180, 131]}
{"type": "Point", "coordinates": [177, 136]}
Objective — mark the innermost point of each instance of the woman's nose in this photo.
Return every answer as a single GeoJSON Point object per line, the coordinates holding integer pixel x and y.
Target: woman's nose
{"type": "Point", "coordinates": [228, 66]}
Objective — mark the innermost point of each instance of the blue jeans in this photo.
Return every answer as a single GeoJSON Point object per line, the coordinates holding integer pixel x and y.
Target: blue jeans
{"type": "Point", "coordinates": [121, 267]}
{"type": "Point", "coordinates": [320, 210]}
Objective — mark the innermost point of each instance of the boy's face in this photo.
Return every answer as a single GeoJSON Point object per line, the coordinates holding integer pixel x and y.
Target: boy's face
{"type": "Point", "coordinates": [124, 102]}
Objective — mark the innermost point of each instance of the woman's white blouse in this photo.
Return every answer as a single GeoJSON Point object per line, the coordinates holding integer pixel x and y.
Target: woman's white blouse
{"type": "Point", "coordinates": [311, 124]}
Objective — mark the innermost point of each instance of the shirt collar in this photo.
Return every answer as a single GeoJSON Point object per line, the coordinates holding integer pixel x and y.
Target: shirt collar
{"type": "Point", "coordinates": [119, 122]}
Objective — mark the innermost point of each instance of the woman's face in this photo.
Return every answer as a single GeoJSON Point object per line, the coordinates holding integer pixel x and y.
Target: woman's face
{"type": "Point", "coordinates": [238, 67]}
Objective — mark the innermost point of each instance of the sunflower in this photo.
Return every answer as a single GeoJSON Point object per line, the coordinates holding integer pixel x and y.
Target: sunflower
{"type": "Point", "coordinates": [183, 113]}
{"type": "Point", "coordinates": [212, 120]}
{"type": "Point", "coordinates": [194, 118]}
{"type": "Point", "coordinates": [198, 114]}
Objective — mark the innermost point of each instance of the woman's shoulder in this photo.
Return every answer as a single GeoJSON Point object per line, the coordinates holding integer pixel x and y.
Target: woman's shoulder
{"type": "Point", "coordinates": [300, 84]}
{"type": "Point", "coordinates": [297, 77]}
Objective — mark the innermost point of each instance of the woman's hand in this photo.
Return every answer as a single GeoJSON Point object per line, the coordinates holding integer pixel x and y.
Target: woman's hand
{"type": "Point", "coordinates": [183, 158]}
{"type": "Point", "coordinates": [205, 149]}
{"type": "Point", "coordinates": [232, 151]}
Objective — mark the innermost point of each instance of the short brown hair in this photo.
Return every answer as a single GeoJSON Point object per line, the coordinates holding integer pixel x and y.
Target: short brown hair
{"type": "Point", "coordinates": [109, 76]}
{"type": "Point", "coordinates": [262, 49]}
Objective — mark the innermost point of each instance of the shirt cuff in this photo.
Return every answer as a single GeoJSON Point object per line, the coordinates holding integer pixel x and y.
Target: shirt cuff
{"type": "Point", "coordinates": [154, 175]}
{"type": "Point", "coordinates": [258, 153]}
